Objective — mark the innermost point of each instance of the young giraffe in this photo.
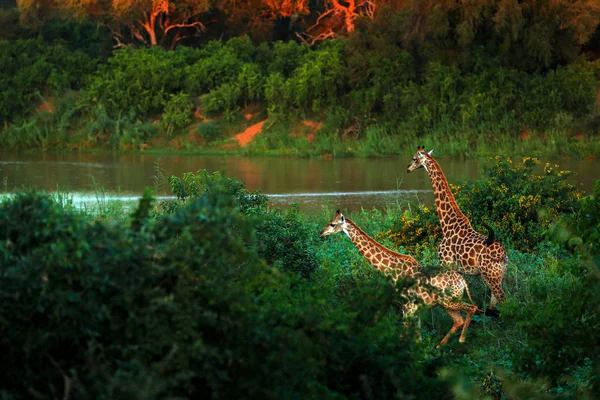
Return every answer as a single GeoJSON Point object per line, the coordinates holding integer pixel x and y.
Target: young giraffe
{"type": "Point", "coordinates": [449, 285]}
{"type": "Point", "coordinates": [474, 253]}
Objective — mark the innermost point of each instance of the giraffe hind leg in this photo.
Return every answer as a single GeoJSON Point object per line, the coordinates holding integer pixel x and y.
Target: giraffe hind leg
{"type": "Point", "coordinates": [457, 320]}
{"type": "Point", "coordinates": [469, 310]}
{"type": "Point", "coordinates": [494, 282]}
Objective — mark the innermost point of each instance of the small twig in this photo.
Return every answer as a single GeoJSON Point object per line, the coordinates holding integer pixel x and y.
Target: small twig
{"type": "Point", "coordinates": [65, 377]}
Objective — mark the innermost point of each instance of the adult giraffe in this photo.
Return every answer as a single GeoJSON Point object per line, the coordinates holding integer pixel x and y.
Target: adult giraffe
{"type": "Point", "coordinates": [474, 253]}
{"type": "Point", "coordinates": [448, 285]}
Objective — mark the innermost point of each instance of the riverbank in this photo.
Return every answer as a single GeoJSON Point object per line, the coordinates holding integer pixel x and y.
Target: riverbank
{"type": "Point", "coordinates": [289, 99]}
{"type": "Point", "coordinates": [303, 138]}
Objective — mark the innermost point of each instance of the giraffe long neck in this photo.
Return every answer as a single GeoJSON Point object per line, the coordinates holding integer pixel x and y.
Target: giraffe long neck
{"type": "Point", "coordinates": [448, 211]}
{"type": "Point", "coordinates": [385, 260]}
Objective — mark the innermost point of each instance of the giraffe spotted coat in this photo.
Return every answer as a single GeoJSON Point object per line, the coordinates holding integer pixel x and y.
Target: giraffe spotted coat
{"type": "Point", "coordinates": [448, 285]}
{"type": "Point", "coordinates": [474, 253]}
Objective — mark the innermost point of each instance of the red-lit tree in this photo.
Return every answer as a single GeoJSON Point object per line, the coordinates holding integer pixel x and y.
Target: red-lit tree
{"type": "Point", "coordinates": [338, 17]}
{"type": "Point", "coordinates": [153, 22]}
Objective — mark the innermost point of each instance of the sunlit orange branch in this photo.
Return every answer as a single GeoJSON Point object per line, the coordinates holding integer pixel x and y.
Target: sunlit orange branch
{"type": "Point", "coordinates": [311, 40]}
{"type": "Point", "coordinates": [198, 25]}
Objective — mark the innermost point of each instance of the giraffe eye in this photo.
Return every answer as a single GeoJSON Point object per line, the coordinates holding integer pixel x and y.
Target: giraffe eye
{"type": "Point", "coordinates": [332, 225]}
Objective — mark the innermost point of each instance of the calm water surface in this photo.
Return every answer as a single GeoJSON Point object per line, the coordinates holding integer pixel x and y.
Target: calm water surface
{"type": "Point", "coordinates": [349, 183]}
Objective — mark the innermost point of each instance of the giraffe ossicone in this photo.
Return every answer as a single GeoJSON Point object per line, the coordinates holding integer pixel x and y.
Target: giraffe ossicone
{"type": "Point", "coordinates": [474, 253]}
{"type": "Point", "coordinates": [448, 286]}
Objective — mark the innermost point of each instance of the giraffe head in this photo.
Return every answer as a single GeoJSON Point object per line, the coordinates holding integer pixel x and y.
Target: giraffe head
{"type": "Point", "coordinates": [418, 159]}
{"type": "Point", "coordinates": [336, 225]}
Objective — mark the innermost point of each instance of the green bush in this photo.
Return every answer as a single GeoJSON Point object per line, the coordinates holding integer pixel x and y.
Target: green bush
{"type": "Point", "coordinates": [520, 203]}
{"type": "Point", "coordinates": [177, 113]}
{"type": "Point", "coordinates": [209, 131]}
{"type": "Point", "coordinates": [284, 239]}
{"type": "Point", "coordinates": [141, 80]}
{"type": "Point", "coordinates": [184, 306]}
{"type": "Point", "coordinates": [586, 221]}
{"type": "Point", "coordinates": [557, 313]}
{"type": "Point", "coordinates": [30, 68]}
{"type": "Point", "coordinates": [315, 84]}
{"type": "Point", "coordinates": [222, 64]}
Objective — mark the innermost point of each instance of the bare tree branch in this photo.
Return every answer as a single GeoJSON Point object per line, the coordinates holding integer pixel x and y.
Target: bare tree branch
{"type": "Point", "coordinates": [67, 378]}
{"type": "Point", "coordinates": [311, 40]}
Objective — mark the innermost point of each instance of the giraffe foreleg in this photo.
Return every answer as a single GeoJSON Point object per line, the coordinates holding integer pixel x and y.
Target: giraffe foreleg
{"type": "Point", "coordinates": [493, 279]}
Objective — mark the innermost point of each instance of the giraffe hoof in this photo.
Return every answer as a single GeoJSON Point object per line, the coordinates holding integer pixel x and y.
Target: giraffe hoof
{"type": "Point", "coordinates": [492, 312]}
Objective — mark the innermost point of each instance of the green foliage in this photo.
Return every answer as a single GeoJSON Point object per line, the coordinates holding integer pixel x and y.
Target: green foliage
{"type": "Point", "coordinates": [284, 239]}
{"type": "Point", "coordinates": [315, 84]}
{"type": "Point", "coordinates": [185, 306]}
{"type": "Point", "coordinates": [495, 98]}
{"type": "Point", "coordinates": [81, 35]}
{"type": "Point", "coordinates": [177, 113]}
{"type": "Point", "coordinates": [558, 314]}
{"type": "Point", "coordinates": [518, 201]}
{"type": "Point", "coordinates": [209, 131]}
{"type": "Point", "coordinates": [192, 185]}
{"type": "Point", "coordinates": [586, 221]}
{"type": "Point", "coordinates": [29, 68]}
{"type": "Point", "coordinates": [417, 227]}
{"type": "Point", "coordinates": [141, 80]}
{"type": "Point", "coordinates": [221, 64]}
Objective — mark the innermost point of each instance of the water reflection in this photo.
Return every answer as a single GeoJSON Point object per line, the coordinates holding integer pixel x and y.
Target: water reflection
{"type": "Point", "coordinates": [349, 183]}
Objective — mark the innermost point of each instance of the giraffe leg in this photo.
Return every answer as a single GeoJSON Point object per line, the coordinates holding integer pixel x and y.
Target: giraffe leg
{"type": "Point", "coordinates": [469, 310]}
{"type": "Point", "coordinates": [409, 310]}
{"type": "Point", "coordinates": [493, 280]}
{"type": "Point", "coordinates": [458, 322]}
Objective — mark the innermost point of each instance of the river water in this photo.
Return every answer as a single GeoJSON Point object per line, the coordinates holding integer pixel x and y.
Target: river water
{"type": "Point", "coordinates": [345, 183]}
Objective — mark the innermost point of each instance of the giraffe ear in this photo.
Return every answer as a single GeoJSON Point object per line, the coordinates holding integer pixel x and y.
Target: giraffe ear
{"type": "Point", "coordinates": [430, 152]}
{"type": "Point", "coordinates": [342, 218]}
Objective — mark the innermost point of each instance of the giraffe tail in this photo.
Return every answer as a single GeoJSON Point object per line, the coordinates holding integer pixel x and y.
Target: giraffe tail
{"type": "Point", "coordinates": [491, 237]}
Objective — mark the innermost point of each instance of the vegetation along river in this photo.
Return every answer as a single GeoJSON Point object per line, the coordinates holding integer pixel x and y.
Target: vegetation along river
{"type": "Point", "coordinates": [346, 183]}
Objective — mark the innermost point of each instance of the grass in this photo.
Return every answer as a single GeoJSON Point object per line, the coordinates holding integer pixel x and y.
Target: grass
{"type": "Point", "coordinates": [67, 129]}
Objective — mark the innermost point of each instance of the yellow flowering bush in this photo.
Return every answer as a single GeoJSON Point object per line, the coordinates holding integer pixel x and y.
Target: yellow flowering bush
{"type": "Point", "coordinates": [520, 200]}
{"type": "Point", "coordinates": [416, 227]}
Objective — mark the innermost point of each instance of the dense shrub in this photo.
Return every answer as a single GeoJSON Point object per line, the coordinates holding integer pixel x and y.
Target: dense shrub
{"type": "Point", "coordinates": [209, 131]}
{"type": "Point", "coordinates": [556, 311]}
{"type": "Point", "coordinates": [183, 307]}
{"type": "Point", "coordinates": [284, 240]}
{"type": "Point", "coordinates": [33, 68]}
{"type": "Point", "coordinates": [495, 98]}
{"type": "Point", "coordinates": [517, 200]}
{"type": "Point", "coordinates": [141, 80]}
{"type": "Point", "coordinates": [177, 113]}
{"type": "Point", "coordinates": [585, 223]}
{"type": "Point", "coordinates": [221, 64]}
{"type": "Point", "coordinates": [315, 84]}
